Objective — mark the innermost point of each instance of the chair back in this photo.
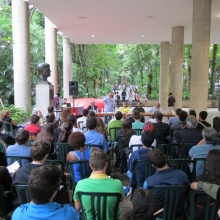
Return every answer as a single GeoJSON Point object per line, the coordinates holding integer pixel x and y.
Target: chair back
{"type": "Point", "coordinates": [21, 160]}
{"type": "Point", "coordinates": [96, 205]}
{"type": "Point", "coordinates": [142, 170]}
{"type": "Point", "coordinates": [184, 149]}
{"type": "Point", "coordinates": [56, 162]}
{"type": "Point", "coordinates": [80, 124]}
{"type": "Point", "coordinates": [209, 210]}
{"type": "Point", "coordinates": [184, 164]}
{"type": "Point", "coordinates": [2, 202]}
{"type": "Point", "coordinates": [8, 128]}
{"type": "Point", "coordinates": [30, 143]}
{"type": "Point", "coordinates": [171, 151]}
{"type": "Point", "coordinates": [83, 168]}
{"type": "Point", "coordinates": [138, 131]}
{"type": "Point", "coordinates": [160, 135]}
{"type": "Point", "coordinates": [62, 150]}
{"type": "Point", "coordinates": [112, 133]}
{"type": "Point", "coordinates": [172, 198]}
{"type": "Point", "coordinates": [22, 192]}
{"type": "Point", "coordinates": [94, 145]}
{"type": "Point", "coordinates": [84, 129]}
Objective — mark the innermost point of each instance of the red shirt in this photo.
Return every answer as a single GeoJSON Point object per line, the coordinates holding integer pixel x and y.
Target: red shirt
{"type": "Point", "coordinates": [33, 128]}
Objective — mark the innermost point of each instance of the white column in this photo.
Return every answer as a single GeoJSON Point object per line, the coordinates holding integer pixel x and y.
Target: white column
{"type": "Point", "coordinates": [67, 67]}
{"type": "Point", "coordinates": [51, 51]}
{"type": "Point", "coordinates": [177, 65]}
{"type": "Point", "coordinates": [164, 74]}
{"type": "Point", "coordinates": [21, 54]}
{"type": "Point", "coordinates": [200, 54]}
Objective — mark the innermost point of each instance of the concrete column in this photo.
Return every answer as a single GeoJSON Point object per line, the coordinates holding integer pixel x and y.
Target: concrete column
{"type": "Point", "coordinates": [164, 74]}
{"type": "Point", "coordinates": [67, 67]}
{"type": "Point", "coordinates": [200, 54]}
{"type": "Point", "coordinates": [21, 54]}
{"type": "Point", "coordinates": [51, 51]}
{"type": "Point", "coordinates": [177, 65]}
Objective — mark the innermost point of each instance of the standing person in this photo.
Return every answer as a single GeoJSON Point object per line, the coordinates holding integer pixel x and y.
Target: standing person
{"type": "Point", "coordinates": [56, 105]}
{"type": "Point", "coordinates": [117, 99]}
{"type": "Point", "coordinates": [123, 95]}
{"type": "Point", "coordinates": [109, 107]}
{"type": "Point", "coordinates": [130, 97]}
{"type": "Point", "coordinates": [171, 101]}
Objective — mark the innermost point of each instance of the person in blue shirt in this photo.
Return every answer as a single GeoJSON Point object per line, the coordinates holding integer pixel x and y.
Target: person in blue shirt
{"type": "Point", "coordinates": [109, 107]}
{"type": "Point", "coordinates": [43, 185]}
{"type": "Point", "coordinates": [155, 108]}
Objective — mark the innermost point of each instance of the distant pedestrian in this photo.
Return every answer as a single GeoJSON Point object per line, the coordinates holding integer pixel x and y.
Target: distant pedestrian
{"type": "Point", "coordinates": [171, 101]}
{"type": "Point", "coordinates": [123, 95]}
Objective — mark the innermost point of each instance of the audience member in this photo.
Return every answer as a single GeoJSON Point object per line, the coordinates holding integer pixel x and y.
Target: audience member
{"type": "Point", "coordinates": [33, 127]}
{"type": "Point", "coordinates": [83, 119]}
{"type": "Point", "coordinates": [80, 152]}
{"type": "Point", "coordinates": [100, 127]}
{"type": "Point", "coordinates": [5, 178]}
{"type": "Point", "coordinates": [94, 137]}
{"type": "Point", "coordinates": [210, 138]}
{"type": "Point", "coordinates": [137, 124]}
{"type": "Point", "coordinates": [216, 124]}
{"type": "Point", "coordinates": [50, 118]}
{"type": "Point", "coordinates": [147, 139]}
{"type": "Point", "coordinates": [155, 108]}
{"type": "Point", "coordinates": [3, 160]}
{"type": "Point", "coordinates": [72, 118]}
{"type": "Point", "coordinates": [50, 109]}
{"type": "Point", "coordinates": [64, 114]}
{"type": "Point", "coordinates": [175, 118]}
{"type": "Point", "coordinates": [211, 175]}
{"type": "Point", "coordinates": [140, 109]}
{"type": "Point", "coordinates": [153, 119]}
{"type": "Point", "coordinates": [202, 120]}
{"type": "Point", "coordinates": [124, 109]}
{"type": "Point", "coordinates": [41, 120]}
{"type": "Point", "coordinates": [192, 112]}
{"type": "Point", "coordinates": [65, 132]}
{"type": "Point", "coordinates": [8, 139]}
{"type": "Point", "coordinates": [21, 147]}
{"type": "Point", "coordinates": [190, 134]}
{"type": "Point", "coordinates": [43, 185]}
{"type": "Point", "coordinates": [47, 135]}
{"type": "Point", "coordinates": [98, 182]}
{"type": "Point", "coordinates": [144, 205]}
{"type": "Point", "coordinates": [6, 116]}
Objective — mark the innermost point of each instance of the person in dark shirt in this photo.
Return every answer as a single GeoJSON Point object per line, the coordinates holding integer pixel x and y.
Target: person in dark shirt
{"type": "Point", "coordinates": [202, 120]}
{"type": "Point", "coordinates": [8, 139]}
{"type": "Point", "coordinates": [171, 101]}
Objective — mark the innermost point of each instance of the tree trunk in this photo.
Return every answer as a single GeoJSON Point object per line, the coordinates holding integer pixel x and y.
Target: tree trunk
{"type": "Point", "coordinates": [213, 69]}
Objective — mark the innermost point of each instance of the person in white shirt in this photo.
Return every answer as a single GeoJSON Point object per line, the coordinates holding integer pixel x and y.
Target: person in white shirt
{"type": "Point", "coordinates": [83, 119]}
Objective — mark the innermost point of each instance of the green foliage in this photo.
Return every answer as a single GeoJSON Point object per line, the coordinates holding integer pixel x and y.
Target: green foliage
{"type": "Point", "coordinates": [17, 114]}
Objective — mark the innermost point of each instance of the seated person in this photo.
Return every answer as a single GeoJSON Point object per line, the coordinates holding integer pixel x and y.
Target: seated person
{"type": "Point", "coordinates": [202, 120]}
{"type": "Point", "coordinates": [34, 126]}
{"type": "Point", "coordinates": [137, 124]}
{"type": "Point", "coordinates": [83, 119]}
{"type": "Point", "coordinates": [98, 182]}
{"type": "Point", "coordinates": [6, 116]}
{"type": "Point", "coordinates": [72, 118]}
{"type": "Point", "coordinates": [155, 108]}
{"type": "Point", "coordinates": [8, 139]}
{"type": "Point", "coordinates": [192, 112]}
{"type": "Point", "coordinates": [165, 175]}
{"type": "Point", "coordinates": [147, 139]}
{"type": "Point", "coordinates": [140, 109]}
{"type": "Point", "coordinates": [124, 109]}
{"type": "Point", "coordinates": [21, 147]}
{"type": "Point", "coordinates": [144, 205]}
{"type": "Point", "coordinates": [77, 141]}
{"type": "Point", "coordinates": [189, 134]}
{"type": "Point", "coordinates": [175, 118]}
{"type": "Point", "coordinates": [65, 132]}
{"type": "Point", "coordinates": [43, 184]}
{"type": "Point", "coordinates": [92, 107]}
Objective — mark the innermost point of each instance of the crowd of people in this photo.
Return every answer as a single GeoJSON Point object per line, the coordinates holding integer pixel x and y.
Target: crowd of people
{"type": "Point", "coordinates": [93, 139]}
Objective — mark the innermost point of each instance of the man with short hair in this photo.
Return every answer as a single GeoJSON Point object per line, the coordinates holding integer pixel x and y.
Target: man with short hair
{"type": "Point", "coordinates": [190, 134]}
{"type": "Point", "coordinates": [39, 153]}
{"type": "Point", "coordinates": [201, 150]}
{"type": "Point", "coordinates": [21, 147]}
{"type": "Point", "coordinates": [147, 139]}
{"type": "Point", "coordinates": [171, 101]}
{"type": "Point", "coordinates": [83, 119]}
{"type": "Point", "coordinates": [137, 124]}
{"type": "Point", "coordinates": [202, 120]}
{"type": "Point", "coordinates": [43, 185]}
{"type": "Point", "coordinates": [117, 123]}
{"type": "Point", "coordinates": [72, 118]}
{"type": "Point", "coordinates": [94, 137]}
{"type": "Point", "coordinates": [8, 139]}
{"type": "Point", "coordinates": [175, 118]}
{"type": "Point", "coordinates": [109, 107]}
{"type": "Point", "coordinates": [140, 109]}
{"type": "Point", "coordinates": [98, 182]}
{"type": "Point", "coordinates": [92, 107]}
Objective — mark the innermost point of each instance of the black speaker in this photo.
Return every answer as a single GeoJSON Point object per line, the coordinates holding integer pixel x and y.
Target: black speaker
{"type": "Point", "coordinates": [73, 88]}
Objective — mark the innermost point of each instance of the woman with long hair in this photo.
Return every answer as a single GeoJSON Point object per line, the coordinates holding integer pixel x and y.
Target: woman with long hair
{"type": "Point", "coordinates": [77, 141]}
{"type": "Point", "coordinates": [65, 132]}
{"type": "Point", "coordinates": [64, 114]}
{"type": "Point", "coordinates": [216, 124]}
{"type": "Point", "coordinates": [100, 127]}
{"type": "Point", "coordinates": [144, 205]}
{"type": "Point", "coordinates": [47, 135]}
{"type": "Point", "coordinates": [124, 109]}
{"type": "Point", "coordinates": [6, 116]}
